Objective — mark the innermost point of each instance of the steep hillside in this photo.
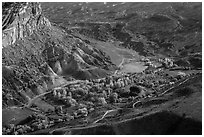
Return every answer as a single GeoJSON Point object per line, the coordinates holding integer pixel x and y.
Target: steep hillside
{"type": "Point", "coordinates": [101, 68]}
{"type": "Point", "coordinates": [36, 54]}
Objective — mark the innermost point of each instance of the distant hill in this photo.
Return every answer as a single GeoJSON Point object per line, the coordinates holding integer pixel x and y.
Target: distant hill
{"type": "Point", "coordinates": [169, 29]}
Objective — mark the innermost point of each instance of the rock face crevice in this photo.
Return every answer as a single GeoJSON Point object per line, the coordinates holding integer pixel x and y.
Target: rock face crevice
{"type": "Point", "coordinates": [23, 23]}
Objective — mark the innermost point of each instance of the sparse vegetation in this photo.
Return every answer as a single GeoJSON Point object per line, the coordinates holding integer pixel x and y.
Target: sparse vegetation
{"type": "Point", "coordinates": [101, 68]}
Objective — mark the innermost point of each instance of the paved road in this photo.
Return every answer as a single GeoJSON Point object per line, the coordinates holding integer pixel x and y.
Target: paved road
{"type": "Point", "coordinates": [166, 91]}
{"type": "Point", "coordinates": [50, 90]}
{"type": "Point", "coordinates": [67, 128]}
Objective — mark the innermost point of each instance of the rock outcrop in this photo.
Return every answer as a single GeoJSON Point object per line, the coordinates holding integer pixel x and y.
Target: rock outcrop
{"type": "Point", "coordinates": [27, 20]}
{"type": "Point", "coordinates": [36, 54]}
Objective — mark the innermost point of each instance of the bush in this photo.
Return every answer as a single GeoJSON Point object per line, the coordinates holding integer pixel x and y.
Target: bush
{"type": "Point", "coordinates": [186, 91]}
{"type": "Point", "coordinates": [134, 90]}
{"type": "Point", "coordinates": [113, 97]}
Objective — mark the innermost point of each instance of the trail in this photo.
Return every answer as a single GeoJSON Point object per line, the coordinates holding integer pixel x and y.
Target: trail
{"type": "Point", "coordinates": [92, 125]}
{"type": "Point", "coordinates": [104, 115]}
{"type": "Point", "coordinates": [175, 86]}
{"type": "Point", "coordinates": [49, 91]}
{"type": "Point", "coordinates": [92, 68]}
{"type": "Point", "coordinates": [121, 63]}
{"type": "Point", "coordinates": [35, 98]}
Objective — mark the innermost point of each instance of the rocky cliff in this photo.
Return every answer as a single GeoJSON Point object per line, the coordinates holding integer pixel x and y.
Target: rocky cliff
{"type": "Point", "coordinates": [27, 19]}
{"type": "Point", "coordinates": [36, 54]}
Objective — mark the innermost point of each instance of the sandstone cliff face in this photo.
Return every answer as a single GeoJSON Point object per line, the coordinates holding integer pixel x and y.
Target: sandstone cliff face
{"type": "Point", "coordinates": [36, 54]}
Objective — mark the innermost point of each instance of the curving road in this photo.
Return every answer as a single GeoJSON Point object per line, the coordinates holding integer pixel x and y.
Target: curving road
{"type": "Point", "coordinates": [49, 91]}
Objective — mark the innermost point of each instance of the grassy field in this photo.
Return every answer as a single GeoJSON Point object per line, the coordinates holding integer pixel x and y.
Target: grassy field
{"type": "Point", "coordinates": [116, 53]}
{"type": "Point", "coordinates": [15, 115]}
{"type": "Point", "coordinates": [133, 67]}
{"type": "Point", "coordinates": [120, 54]}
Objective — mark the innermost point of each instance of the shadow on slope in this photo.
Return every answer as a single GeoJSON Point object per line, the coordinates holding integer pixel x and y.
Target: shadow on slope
{"type": "Point", "coordinates": [160, 123]}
